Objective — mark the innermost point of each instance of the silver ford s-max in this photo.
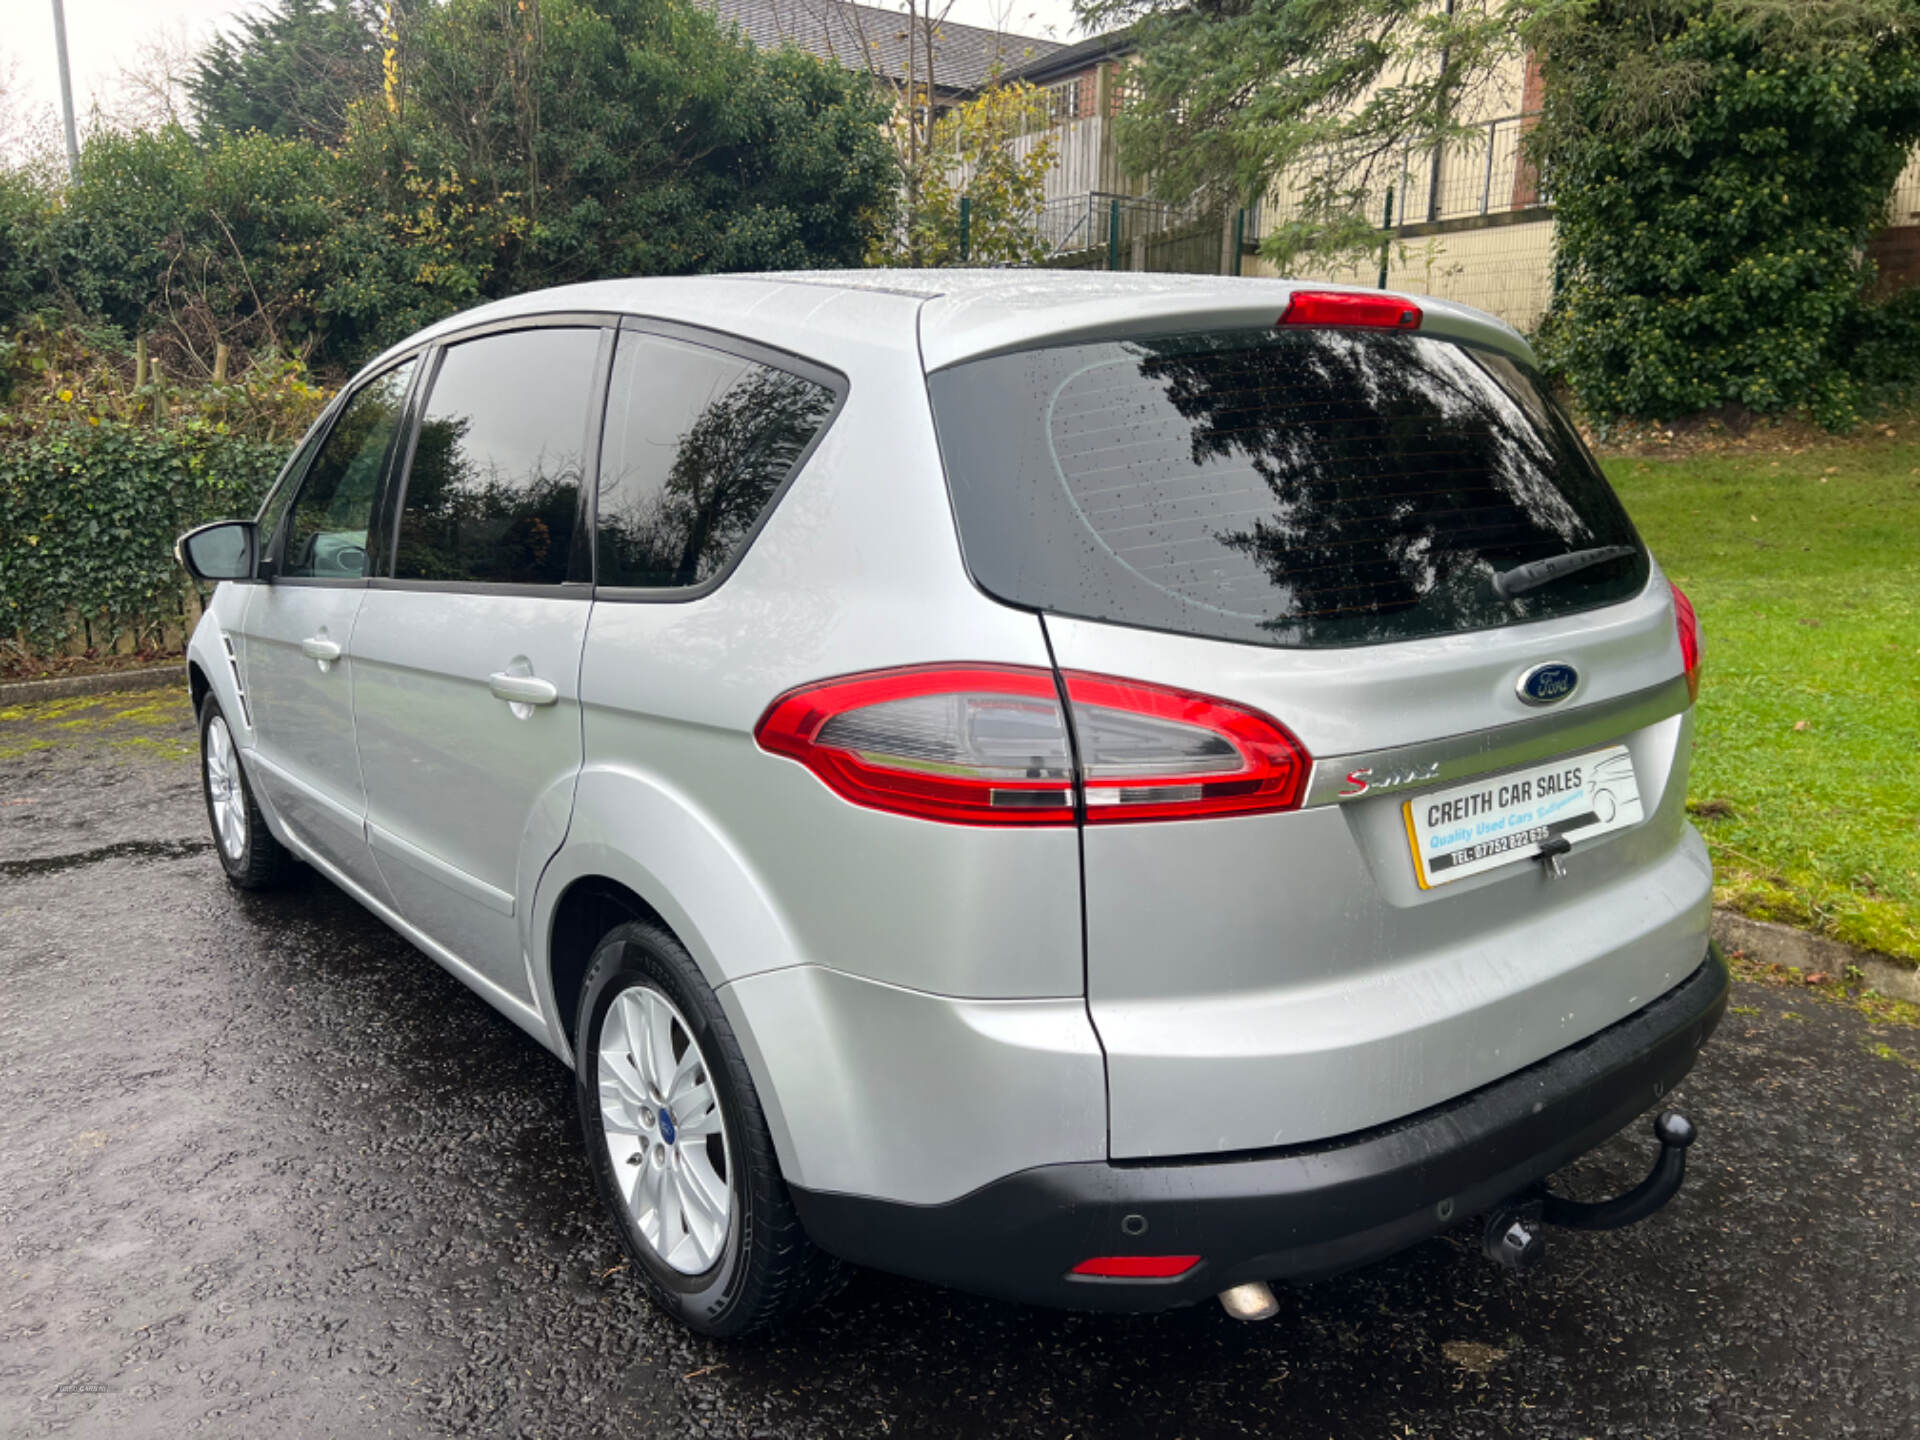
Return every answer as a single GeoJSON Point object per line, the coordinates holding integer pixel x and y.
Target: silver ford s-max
{"type": "Point", "coordinates": [1104, 790]}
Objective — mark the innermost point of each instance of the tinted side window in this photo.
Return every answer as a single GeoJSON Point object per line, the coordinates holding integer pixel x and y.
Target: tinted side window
{"type": "Point", "coordinates": [327, 537]}
{"type": "Point", "coordinates": [493, 492]}
{"type": "Point", "coordinates": [697, 443]}
{"type": "Point", "coordinates": [274, 508]}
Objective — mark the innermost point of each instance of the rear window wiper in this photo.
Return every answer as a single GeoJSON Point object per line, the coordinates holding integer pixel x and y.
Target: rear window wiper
{"type": "Point", "coordinates": [1535, 573]}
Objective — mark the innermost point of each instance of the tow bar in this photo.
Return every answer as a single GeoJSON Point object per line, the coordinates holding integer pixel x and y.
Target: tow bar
{"type": "Point", "coordinates": [1513, 1235]}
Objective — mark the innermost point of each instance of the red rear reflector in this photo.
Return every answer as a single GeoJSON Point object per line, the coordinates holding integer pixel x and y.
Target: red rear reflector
{"type": "Point", "coordinates": [988, 745]}
{"type": "Point", "coordinates": [1347, 307]}
{"type": "Point", "coordinates": [1689, 626]}
{"type": "Point", "coordinates": [1137, 1267]}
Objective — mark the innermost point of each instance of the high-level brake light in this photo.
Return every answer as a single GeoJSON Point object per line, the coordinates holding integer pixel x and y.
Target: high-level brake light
{"type": "Point", "coordinates": [1350, 308]}
{"type": "Point", "coordinates": [988, 745]}
{"type": "Point", "coordinates": [1689, 626]}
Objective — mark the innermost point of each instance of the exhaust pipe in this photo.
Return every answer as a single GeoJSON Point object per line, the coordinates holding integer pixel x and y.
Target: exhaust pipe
{"type": "Point", "coordinates": [1512, 1239]}
{"type": "Point", "coordinates": [1251, 1301]}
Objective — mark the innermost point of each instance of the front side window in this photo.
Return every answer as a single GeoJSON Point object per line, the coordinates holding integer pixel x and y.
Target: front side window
{"type": "Point", "coordinates": [698, 443]}
{"type": "Point", "coordinates": [274, 508]}
{"type": "Point", "coordinates": [327, 536]}
{"type": "Point", "coordinates": [1292, 487]}
{"type": "Point", "coordinates": [493, 493]}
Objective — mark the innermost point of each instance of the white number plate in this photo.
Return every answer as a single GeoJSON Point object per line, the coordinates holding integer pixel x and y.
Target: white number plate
{"type": "Point", "coordinates": [1501, 819]}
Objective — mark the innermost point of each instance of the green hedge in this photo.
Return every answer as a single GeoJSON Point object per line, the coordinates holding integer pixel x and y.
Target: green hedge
{"type": "Point", "coordinates": [89, 510]}
{"type": "Point", "coordinates": [1717, 170]}
{"type": "Point", "coordinates": [567, 141]}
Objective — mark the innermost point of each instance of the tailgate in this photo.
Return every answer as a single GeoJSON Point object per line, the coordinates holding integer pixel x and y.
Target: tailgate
{"type": "Point", "coordinates": [1273, 979]}
{"type": "Point", "coordinates": [1395, 546]}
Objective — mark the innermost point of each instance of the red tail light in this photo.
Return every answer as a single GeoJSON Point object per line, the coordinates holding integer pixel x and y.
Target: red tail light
{"type": "Point", "coordinates": [1347, 307]}
{"type": "Point", "coordinates": [972, 744]}
{"type": "Point", "coordinates": [988, 745]}
{"type": "Point", "coordinates": [1689, 625]}
{"type": "Point", "coordinates": [1137, 1267]}
{"type": "Point", "coordinates": [1149, 753]}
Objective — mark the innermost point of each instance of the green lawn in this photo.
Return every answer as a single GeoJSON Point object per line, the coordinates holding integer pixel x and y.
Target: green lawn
{"type": "Point", "coordinates": [1805, 569]}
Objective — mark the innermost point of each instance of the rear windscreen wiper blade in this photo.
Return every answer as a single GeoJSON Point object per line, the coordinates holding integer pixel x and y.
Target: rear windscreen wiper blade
{"type": "Point", "coordinates": [1535, 573]}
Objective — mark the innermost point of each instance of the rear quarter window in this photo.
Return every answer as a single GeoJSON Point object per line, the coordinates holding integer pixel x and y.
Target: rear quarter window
{"type": "Point", "coordinates": [699, 443]}
{"type": "Point", "coordinates": [1299, 487]}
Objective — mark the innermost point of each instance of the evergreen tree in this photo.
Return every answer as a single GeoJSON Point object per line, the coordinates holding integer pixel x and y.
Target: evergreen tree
{"type": "Point", "coordinates": [291, 70]}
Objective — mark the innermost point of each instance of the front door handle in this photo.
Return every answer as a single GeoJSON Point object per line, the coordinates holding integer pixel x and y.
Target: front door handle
{"type": "Point", "coordinates": [522, 689]}
{"type": "Point", "coordinates": [318, 647]}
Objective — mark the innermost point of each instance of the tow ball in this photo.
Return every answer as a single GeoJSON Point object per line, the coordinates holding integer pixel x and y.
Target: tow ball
{"type": "Point", "coordinates": [1514, 1235]}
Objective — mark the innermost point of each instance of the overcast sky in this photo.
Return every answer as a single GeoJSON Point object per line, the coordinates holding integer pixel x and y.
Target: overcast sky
{"type": "Point", "coordinates": [103, 36]}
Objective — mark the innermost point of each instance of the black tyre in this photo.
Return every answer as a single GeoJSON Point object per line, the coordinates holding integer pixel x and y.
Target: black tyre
{"type": "Point", "coordinates": [679, 1145]}
{"type": "Point", "coordinates": [252, 858]}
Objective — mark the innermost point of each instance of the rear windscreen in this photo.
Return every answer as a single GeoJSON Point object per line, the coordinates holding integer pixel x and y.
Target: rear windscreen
{"type": "Point", "coordinates": [1298, 487]}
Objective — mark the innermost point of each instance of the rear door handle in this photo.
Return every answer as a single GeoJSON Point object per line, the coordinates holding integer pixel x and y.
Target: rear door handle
{"type": "Point", "coordinates": [318, 647]}
{"type": "Point", "coordinates": [522, 689]}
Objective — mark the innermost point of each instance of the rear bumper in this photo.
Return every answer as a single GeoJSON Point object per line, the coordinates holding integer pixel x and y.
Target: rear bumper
{"type": "Point", "coordinates": [1299, 1212]}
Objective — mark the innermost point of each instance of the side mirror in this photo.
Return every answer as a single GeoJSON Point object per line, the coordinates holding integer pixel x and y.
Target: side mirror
{"type": "Point", "coordinates": [223, 550]}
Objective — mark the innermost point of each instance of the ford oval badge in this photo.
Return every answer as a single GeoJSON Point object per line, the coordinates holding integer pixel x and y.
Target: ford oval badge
{"type": "Point", "coordinates": [1548, 684]}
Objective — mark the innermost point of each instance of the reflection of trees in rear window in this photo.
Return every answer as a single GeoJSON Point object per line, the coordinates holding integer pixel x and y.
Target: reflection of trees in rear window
{"type": "Point", "coordinates": [697, 443]}
{"type": "Point", "coordinates": [1306, 487]}
{"type": "Point", "coordinates": [1384, 483]}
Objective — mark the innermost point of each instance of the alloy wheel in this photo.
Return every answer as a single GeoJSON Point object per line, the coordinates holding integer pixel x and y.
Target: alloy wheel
{"type": "Point", "coordinates": [665, 1133]}
{"type": "Point", "coordinates": [224, 794]}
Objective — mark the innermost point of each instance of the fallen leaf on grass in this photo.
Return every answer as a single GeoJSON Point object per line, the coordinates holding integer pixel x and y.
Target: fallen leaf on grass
{"type": "Point", "coordinates": [1799, 725]}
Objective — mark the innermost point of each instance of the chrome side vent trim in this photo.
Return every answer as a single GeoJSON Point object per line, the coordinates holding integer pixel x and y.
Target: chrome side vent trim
{"type": "Point", "coordinates": [239, 686]}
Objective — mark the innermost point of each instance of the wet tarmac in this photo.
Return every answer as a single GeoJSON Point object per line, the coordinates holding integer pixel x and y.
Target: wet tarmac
{"type": "Point", "coordinates": [266, 1171]}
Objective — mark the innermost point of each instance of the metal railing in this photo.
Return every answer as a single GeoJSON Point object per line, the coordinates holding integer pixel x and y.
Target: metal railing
{"type": "Point", "coordinates": [1128, 232]}
{"type": "Point", "coordinates": [1486, 174]}
{"type": "Point", "coordinates": [1106, 220]}
{"type": "Point", "coordinates": [1472, 223]}
{"type": "Point", "coordinates": [1069, 223]}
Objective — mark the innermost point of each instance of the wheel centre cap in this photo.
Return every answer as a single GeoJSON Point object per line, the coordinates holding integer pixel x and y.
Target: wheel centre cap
{"type": "Point", "coordinates": [666, 1125]}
